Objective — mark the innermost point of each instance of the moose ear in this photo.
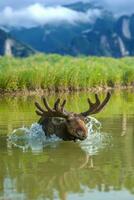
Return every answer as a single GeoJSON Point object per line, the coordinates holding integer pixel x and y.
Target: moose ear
{"type": "Point", "coordinates": [58, 120]}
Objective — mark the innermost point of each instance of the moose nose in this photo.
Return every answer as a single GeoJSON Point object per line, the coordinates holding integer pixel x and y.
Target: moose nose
{"type": "Point", "coordinates": [81, 135]}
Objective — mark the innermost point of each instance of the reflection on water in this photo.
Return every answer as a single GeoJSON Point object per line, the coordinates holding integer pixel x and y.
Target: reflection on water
{"type": "Point", "coordinates": [66, 171]}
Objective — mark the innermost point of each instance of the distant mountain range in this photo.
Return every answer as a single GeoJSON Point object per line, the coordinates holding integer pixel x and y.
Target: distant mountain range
{"type": "Point", "coordinates": [107, 36]}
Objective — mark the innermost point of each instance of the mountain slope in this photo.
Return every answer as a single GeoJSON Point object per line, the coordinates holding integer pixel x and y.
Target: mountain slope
{"type": "Point", "coordinates": [11, 47]}
{"type": "Point", "coordinates": [107, 36]}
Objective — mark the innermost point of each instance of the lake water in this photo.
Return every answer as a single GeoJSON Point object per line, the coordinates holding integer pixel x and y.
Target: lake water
{"type": "Point", "coordinates": [101, 168]}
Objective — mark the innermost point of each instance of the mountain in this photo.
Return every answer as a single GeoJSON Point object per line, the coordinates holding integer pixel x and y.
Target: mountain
{"type": "Point", "coordinates": [107, 36]}
{"type": "Point", "coordinates": [51, 38]}
{"type": "Point", "coordinates": [11, 47]}
{"type": "Point", "coordinates": [82, 7]}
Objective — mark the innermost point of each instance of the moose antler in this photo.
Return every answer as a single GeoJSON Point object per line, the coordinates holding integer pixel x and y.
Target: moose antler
{"type": "Point", "coordinates": [59, 111]}
{"type": "Point", "coordinates": [97, 106]}
{"type": "Point", "coordinates": [56, 111]}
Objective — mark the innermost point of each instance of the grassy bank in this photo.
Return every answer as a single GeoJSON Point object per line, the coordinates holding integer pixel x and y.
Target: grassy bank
{"type": "Point", "coordinates": [54, 72]}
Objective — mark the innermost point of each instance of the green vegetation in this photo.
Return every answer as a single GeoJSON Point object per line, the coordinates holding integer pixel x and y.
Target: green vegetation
{"type": "Point", "coordinates": [55, 72]}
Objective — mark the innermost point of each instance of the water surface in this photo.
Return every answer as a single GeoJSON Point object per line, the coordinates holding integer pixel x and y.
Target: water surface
{"type": "Point", "coordinates": [65, 170]}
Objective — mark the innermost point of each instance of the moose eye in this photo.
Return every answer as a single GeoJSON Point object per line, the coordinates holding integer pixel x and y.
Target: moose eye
{"type": "Point", "coordinates": [68, 120]}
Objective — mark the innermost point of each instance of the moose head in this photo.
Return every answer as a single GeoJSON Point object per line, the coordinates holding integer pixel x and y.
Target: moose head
{"type": "Point", "coordinates": [67, 125]}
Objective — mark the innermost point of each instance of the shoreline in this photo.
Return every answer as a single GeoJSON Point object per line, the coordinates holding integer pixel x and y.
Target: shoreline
{"type": "Point", "coordinates": [53, 91]}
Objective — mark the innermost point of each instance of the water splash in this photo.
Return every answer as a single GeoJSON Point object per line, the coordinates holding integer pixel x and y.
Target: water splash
{"type": "Point", "coordinates": [33, 138]}
{"type": "Point", "coordinates": [96, 139]}
{"type": "Point", "coordinates": [93, 125]}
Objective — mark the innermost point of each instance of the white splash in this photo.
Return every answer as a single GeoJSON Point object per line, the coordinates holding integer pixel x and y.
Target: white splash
{"type": "Point", "coordinates": [34, 139]}
{"type": "Point", "coordinates": [96, 140]}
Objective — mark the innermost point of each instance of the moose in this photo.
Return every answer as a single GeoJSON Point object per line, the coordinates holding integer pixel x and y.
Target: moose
{"type": "Point", "coordinates": [67, 125]}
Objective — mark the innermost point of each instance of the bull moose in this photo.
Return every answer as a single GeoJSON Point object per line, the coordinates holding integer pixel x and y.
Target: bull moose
{"type": "Point", "coordinates": [67, 125]}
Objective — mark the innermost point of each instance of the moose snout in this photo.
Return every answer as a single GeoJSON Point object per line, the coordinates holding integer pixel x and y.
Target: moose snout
{"type": "Point", "coordinates": [82, 135]}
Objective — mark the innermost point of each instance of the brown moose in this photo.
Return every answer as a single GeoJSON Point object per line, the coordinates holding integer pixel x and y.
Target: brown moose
{"type": "Point", "coordinates": [67, 125]}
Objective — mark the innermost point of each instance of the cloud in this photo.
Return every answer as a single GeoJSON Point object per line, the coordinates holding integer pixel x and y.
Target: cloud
{"type": "Point", "coordinates": [28, 13]}
{"type": "Point", "coordinates": [37, 14]}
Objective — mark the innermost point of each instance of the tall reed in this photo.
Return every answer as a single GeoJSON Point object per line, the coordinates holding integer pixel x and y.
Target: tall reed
{"type": "Point", "coordinates": [55, 71]}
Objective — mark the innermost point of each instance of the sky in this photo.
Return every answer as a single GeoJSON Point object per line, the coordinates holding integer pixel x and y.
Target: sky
{"type": "Point", "coordinates": [115, 5]}
{"type": "Point", "coordinates": [29, 13]}
{"type": "Point", "coordinates": [23, 3]}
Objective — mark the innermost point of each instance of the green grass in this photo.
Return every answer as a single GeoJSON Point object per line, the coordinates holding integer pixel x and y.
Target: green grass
{"type": "Point", "coordinates": [58, 72]}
